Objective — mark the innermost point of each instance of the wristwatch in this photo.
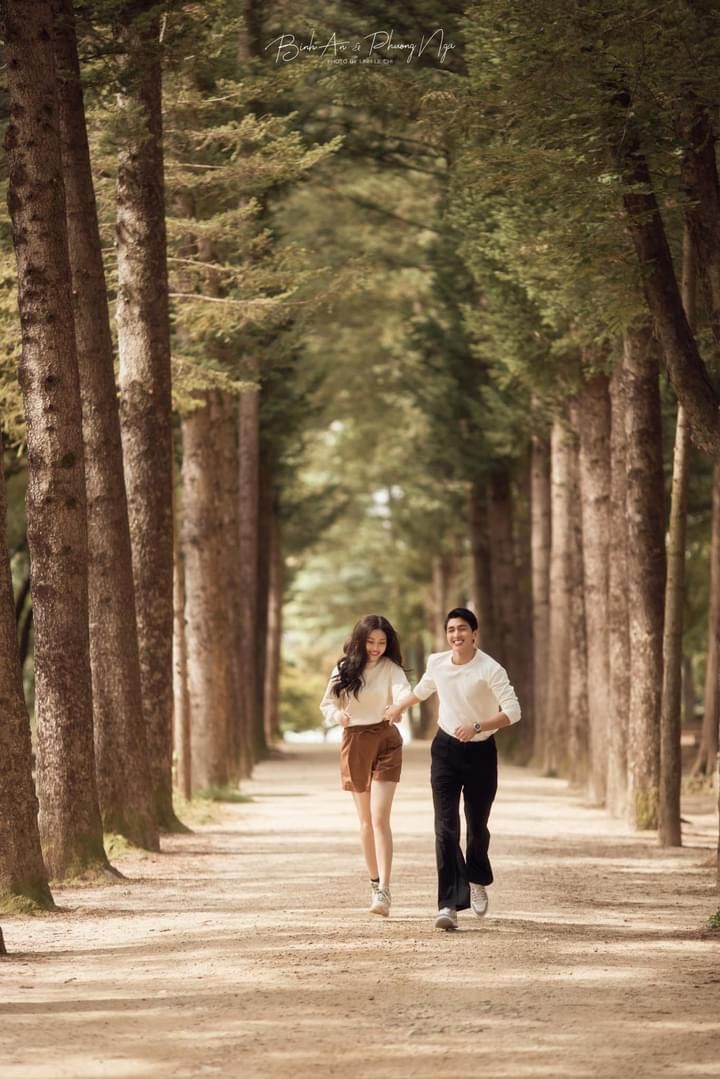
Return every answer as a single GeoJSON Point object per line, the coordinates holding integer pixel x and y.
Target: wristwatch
{"type": "Point", "coordinates": [477, 727]}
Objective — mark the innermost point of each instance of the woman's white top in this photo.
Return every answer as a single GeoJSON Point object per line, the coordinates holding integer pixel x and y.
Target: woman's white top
{"type": "Point", "coordinates": [383, 683]}
{"type": "Point", "coordinates": [468, 692]}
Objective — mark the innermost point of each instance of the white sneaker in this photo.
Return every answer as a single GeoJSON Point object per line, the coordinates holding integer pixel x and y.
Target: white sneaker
{"type": "Point", "coordinates": [380, 901]}
{"type": "Point", "coordinates": [479, 899]}
{"type": "Point", "coordinates": [446, 918]}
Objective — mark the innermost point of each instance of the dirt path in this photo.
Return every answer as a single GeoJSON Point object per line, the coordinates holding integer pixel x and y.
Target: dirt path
{"type": "Point", "coordinates": [245, 949]}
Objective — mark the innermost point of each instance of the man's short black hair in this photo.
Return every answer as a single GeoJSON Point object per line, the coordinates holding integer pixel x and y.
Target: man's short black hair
{"type": "Point", "coordinates": [465, 614]}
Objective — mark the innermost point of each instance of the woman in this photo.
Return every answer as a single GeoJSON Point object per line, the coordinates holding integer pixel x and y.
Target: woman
{"type": "Point", "coordinates": [368, 677]}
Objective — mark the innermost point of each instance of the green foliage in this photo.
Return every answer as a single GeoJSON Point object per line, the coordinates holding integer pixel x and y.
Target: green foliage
{"type": "Point", "coordinates": [300, 696]}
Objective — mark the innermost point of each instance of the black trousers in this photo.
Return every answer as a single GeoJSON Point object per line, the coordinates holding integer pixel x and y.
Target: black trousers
{"type": "Point", "coordinates": [470, 769]}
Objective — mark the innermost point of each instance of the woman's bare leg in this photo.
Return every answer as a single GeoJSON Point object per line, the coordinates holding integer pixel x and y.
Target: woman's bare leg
{"type": "Point", "coordinates": [367, 838]}
{"type": "Point", "coordinates": [381, 799]}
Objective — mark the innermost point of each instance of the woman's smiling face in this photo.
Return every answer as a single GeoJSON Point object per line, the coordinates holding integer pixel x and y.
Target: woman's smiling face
{"type": "Point", "coordinates": [375, 644]}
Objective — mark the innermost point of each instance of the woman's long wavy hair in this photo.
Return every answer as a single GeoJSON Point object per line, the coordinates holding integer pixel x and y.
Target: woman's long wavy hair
{"type": "Point", "coordinates": [354, 659]}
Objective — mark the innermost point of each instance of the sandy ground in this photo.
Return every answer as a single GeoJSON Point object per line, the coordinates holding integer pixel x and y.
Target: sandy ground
{"type": "Point", "coordinates": [245, 949]}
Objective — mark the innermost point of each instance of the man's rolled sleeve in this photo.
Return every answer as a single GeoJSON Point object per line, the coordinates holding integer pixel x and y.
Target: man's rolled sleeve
{"type": "Point", "coordinates": [426, 686]}
{"type": "Point", "coordinates": [505, 695]}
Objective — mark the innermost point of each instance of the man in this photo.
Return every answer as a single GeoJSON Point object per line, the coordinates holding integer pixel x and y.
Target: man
{"type": "Point", "coordinates": [476, 699]}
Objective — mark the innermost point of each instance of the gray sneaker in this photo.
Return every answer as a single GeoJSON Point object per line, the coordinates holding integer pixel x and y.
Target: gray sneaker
{"type": "Point", "coordinates": [479, 899]}
{"type": "Point", "coordinates": [380, 901]}
{"type": "Point", "coordinates": [446, 918]}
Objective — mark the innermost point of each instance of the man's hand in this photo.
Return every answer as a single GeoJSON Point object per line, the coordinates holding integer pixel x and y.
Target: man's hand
{"type": "Point", "coordinates": [393, 713]}
{"type": "Point", "coordinates": [465, 734]}
{"type": "Point", "coordinates": [345, 719]}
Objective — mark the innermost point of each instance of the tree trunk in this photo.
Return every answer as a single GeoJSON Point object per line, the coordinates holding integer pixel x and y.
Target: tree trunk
{"type": "Point", "coordinates": [669, 830]}
{"type": "Point", "coordinates": [182, 725]}
{"type": "Point", "coordinates": [481, 567]}
{"type": "Point", "coordinates": [265, 516]}
{"type": "Point", "coordinates": [227, 468]}
{"type": "Point", "coordinates": [145, 403]}
{"type": "Point", "coordinates": [70, 824]}
{"type": "Point", "coordinates": [618, 625]}
{"type": "Point", "coordinates": [578, 703]}
{"type": "Point", "coordinates": [522, 662]}
{"type": "Point", "coordinates": [504, 575]}
{"type": "Point", "coordinates": [593, 425]}
{"type": "Point", "coordinates": [707, 751]}
{"type": "Point", "coordinates": [274, 635]}
{"type": "Point", "coordinates": [209, 675]}
{"type": "Point", "coordinates": [540, 560]}
{"type": "Point", "coordinates": [249, 500]}
{"type": "Point", "coordinates": [552, 750]}
{"type": "Point", "coordinates": [443, 569]}
{"type": "Point", "coordinates": [428, 708]}
{"type": "Point", "coordinates": [122, 766]}
{"type": "Point", "coordinates": [688, 374]}
{"type": "Point", "coordinates": [702, 209]}
{"type": "Point", "coordinates": [646, 574]}
{"type": "Point", "coordinates": [22, 871]}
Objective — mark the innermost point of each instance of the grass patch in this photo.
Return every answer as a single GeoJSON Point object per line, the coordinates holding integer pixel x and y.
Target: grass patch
{"type": "Point", "coordinates": [21, 904]}
{"type": "Point", "coordinates": [222, 794]}
{"type": "Point", "coordinates": [699, 784]}
{"type": "Point", "coordinates": [196, 811]}
{"type": "Point", "coordinates": [117, 845]}
{"type": "Point", "coordinates": [713, 921]}
{"type": "Point", "coordinates": [206, 806]}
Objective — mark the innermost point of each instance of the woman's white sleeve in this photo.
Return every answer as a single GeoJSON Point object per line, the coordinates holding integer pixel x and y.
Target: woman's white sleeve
{"type": "Point", "coordinates": [399, 685]}
{"type": "Point", "coordinates": [329, 704]}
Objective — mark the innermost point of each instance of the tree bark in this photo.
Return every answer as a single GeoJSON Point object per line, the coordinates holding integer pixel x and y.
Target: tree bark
{"type": "Point", "coordinates": [504, 575]}
{"type": "Point", "coordinates": [481, 566]}
{"type": "Point", "coordinates": [443, 569]}
{"type": "Point", "coordinates": [121, 758]}
{"type": "Point", "coordinates": [274, 635]}
{"type": "Point", "coordinates": [227, 467]}
{"type": "Point", "coordinates": [428, 709]}
{"type": "Point", "coordinates": [248, 558]}
{"type": "Point", "coordinates": [209, 675]}
{"type": "Point", "coordinates": [522, 661]}
{"type": "Point", "coordinates": [70, 824]}
{"type": "Point", "coordinates": [702, 209]}
{"type": "Point", "coordinates": [145, 402]}
{"type": "Point", "coordinates": [22, 871]}
{"type": "Point", "coordinates": [646, 574]}
{"type": "Point", "coordinates": [618, 625]}
{"type": "Point", "coordinates": [540, 561]}
{"type": "Point", "coordinates": [688, 374]}
{"type": "Point", "coordinates": [669, 828]}
{"type": "Point", "coordinates": [552, 750]}
{"type": "Point", "coordinates": [578, 704]}
{"type": "Point", "coordinates": [708, 748]}
{"type": "Point", "coordinates": [182, 725]}
{"type": "Point", "coordinates": [593, 425]}
{"type": "Point", "coordinates": [265, 516]}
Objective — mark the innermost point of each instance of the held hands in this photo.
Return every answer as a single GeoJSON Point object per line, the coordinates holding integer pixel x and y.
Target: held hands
{"type": "Point", "coordinates": [393, 713]}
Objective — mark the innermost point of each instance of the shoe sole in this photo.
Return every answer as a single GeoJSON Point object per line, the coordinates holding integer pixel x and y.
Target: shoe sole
{"type": "Point", "coordinates": [445, 923]}
{"type": "Point", "coordinates": [382, 913]}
